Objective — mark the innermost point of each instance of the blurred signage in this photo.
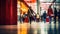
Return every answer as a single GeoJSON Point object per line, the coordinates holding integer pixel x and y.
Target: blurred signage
{"type": "Point", "coordinates": [30, 1]}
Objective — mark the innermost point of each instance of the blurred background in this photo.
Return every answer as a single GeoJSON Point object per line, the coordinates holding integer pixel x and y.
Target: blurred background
{"type": "Point", "coordinates": [29, 16]}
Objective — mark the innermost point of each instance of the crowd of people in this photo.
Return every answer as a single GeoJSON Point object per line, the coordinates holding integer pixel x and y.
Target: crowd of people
{"type": "Point", "coordinates": [51, 15]}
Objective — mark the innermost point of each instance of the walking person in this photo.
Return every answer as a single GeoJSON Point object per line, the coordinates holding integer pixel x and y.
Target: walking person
{"type": "Point", "coordinates": [21, 18]}
{"type": "Point", "coordinates": [55, 14]}
{"type": "Point", "coordinates": [58, 16]}
{"type": "Point", "coordinates": [42, 11]}
{"type": "Point", "coordinates": [30, 12]}
{"type": "Point", "coordinates": [50, 13]}
{"type": "Point", "coordinates": [37, 17]}
{"type": "Point", "coordinates": [44, 16]}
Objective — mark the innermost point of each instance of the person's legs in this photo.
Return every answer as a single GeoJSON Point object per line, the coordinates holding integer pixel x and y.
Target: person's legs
{"type": "Point", "coordinates": [44, 20]}
{"type": "Point", "coordinates": [30, 19]}
{"type": "Point", "coordinates": [18, 18]}
{"type": "Point", "coordinates": [50, 19]}
{"type": "Point", "coordinates": [34, 18]}
{"type": "Point", "coordinates": [55, 20]}
{"type": "Point", "coordinates": [21, 19]}
{"type": "Point", "coordinates": [58, 20]}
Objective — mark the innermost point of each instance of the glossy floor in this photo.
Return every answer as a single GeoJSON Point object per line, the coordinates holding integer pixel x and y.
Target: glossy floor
{"type": "Point", "coordinates": [34, 28]}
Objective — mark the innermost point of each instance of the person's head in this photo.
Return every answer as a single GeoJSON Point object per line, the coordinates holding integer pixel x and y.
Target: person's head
{"type": "Point", "coordinates": [49, 6]}
{"type": "Point", "coordinates": [29, 6]}
{"type": "Point", "coordinates": [44, 11]}
{"type": "Point", "coordinates": [54, 8]}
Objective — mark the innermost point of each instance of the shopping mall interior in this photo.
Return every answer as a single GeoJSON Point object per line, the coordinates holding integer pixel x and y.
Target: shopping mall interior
{"type": "Point", "coordinates": [29, 16]}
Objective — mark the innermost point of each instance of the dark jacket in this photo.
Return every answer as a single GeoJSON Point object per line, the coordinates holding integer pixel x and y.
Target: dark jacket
{"type": "Point", "coordinates": [55, 12]}
{"type": "Point", "coordinates": [58, 14]}
{"type": "Point", "coordinates": [30, 12]}
{"type": "Point", "coordinates": [44, 15]}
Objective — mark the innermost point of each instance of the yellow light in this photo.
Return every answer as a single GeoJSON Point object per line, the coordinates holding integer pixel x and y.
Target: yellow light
{"type": "Point", "coordinates": [22, 29]}
{"type": "Point", "coordinates": [18, 2]}
{"type": "Point", "coordinates": [24, 8]}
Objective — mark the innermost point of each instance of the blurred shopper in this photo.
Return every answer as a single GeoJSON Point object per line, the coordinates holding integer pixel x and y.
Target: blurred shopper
{"type": "Point", "coordinates": [18, 17]}
{"type": "Point", "coordinates": [21, 18]}
{"type": "Point", "coordinates": [58, 16]}
{"type": "Point", "coordinates": [34, 17]}
{"type": "Point", "coordinates": [25, 15]}
{"type": "Point", "coordinates": [50, 13]}
{"type": "Point", "coordinates": [37, 17]}
{"type": "Point", "coordinates": [44, 16]}
{"type": "Point", "coordinates": [55, 14]}
{"type": "Point", "coordinates": [30, 12]}
{"type": "Point", "coordinates": [26, 20]}
{"type": "Point", "coordinates": [42, 11]}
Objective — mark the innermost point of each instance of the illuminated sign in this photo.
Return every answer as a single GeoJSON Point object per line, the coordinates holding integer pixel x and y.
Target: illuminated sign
{"type": "Point", "coordinates": [30, 1]}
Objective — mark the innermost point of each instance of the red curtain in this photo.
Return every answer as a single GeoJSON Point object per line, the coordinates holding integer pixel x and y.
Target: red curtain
{"type": "Point", "coordinates": [8, 12]}
{"type": "Point", "coordinates": [11, 12]}
{"type": "Point", "coordinates": [2, 12]}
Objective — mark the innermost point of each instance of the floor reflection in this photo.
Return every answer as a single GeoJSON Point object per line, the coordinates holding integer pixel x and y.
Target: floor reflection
{"type": "Point", "coordinates": [39, 28]}
{"type": "Point", "coordinates": [8, 29]}
{"type": "Point", "coordinates": [34, 28]}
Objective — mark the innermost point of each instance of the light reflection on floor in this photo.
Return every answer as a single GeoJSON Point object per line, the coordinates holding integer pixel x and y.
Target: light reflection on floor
{"type": "Point", "coordinates": [34, 28]}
